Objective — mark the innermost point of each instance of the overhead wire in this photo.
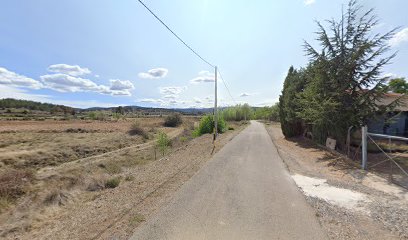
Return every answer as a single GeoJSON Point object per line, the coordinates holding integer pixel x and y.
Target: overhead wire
{"type": "Point", "coordinates": [181, 40]}
{"type": "Point", "coordinates": [188, 46]}
{"type": "Point", "coordinates": [225, 84]}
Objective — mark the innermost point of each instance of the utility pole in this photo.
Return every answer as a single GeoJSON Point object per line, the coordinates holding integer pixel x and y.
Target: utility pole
{"type": "Point", "coordinates": [215, 108]}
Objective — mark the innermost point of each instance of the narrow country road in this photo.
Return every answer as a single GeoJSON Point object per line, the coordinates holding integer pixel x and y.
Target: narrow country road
{"type": "Point", "coordinates": [244, 192]}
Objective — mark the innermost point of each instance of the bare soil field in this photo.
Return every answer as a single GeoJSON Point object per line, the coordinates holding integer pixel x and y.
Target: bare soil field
{"type": "Point", "coordinates": [349, 202]}
{"type": "Point", "coordinates": [98, 182]}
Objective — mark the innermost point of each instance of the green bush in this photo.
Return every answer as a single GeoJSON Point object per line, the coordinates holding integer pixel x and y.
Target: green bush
{"type": "Point", "coordinates": [173, 120]}
{"type": "Point", "coordinates": [112, 183]}
{"type": "Point", "coordinates": [163, 142]}
{"type": "Point", "coordinates": [97, 115]}
{"type": "Point", "coordinates": [207, 126]}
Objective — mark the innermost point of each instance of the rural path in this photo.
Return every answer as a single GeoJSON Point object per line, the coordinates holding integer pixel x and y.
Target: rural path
{"type": "Point", "coordinates": [244, 192]}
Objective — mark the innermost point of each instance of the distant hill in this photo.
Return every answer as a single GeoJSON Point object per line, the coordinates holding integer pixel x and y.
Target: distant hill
{"type": "Point", "coordinates": [48, 107]}
{"type": "Point", "coordinates": [32, 105]}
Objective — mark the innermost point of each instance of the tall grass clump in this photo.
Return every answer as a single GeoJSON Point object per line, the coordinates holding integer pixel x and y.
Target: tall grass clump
{"type": "Point", "coordinates": [207, 126]}
{"type": "Point", "coordinates": [136, 129]}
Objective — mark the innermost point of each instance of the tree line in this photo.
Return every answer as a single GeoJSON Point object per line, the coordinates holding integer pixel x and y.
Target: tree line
{"type": "Point", "coordinates": [243, 112]}
{"type": "Point", "coordinates": [342, 84]}
{"type": "Point", "coordinates": [35, 106]}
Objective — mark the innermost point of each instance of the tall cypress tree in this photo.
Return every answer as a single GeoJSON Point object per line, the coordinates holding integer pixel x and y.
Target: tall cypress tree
{"type": "Point", "coordinates": [347, 79]}
{"type": "Point", "coordinates": [288, 103]}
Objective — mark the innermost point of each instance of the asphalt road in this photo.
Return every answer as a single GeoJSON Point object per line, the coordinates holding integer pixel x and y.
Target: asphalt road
{"type": "Point", "coordinates": [244, 192]}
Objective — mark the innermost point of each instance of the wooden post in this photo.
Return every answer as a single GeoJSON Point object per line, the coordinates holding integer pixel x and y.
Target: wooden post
{"type": "Point", "coordinates": [364, 147]}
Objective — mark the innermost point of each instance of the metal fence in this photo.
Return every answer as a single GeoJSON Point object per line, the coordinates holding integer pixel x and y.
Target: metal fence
{"type": "Point", "coordinates": [397, 172]}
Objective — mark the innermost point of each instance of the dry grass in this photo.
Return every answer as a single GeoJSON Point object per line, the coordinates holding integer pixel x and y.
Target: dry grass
{"type": "Point", "coordinates": [136, 129]}
{"type": "Point", "coordinates": [48, 150]}
{"type": "Point", "coordinates": [13, 184]}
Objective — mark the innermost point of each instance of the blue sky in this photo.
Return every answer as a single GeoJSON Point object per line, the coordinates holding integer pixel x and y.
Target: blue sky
{"type": "Point", "coordinates": [110, 53]}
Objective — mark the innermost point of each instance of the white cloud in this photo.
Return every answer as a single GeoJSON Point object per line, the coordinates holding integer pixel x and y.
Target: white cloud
{"type": "Point", "coordinates": [154, 73]}
{"type": "Point", "coordinates": [399, 37]}
{"type": "Point", "coordinates": [245, 95]}
{"type": "Point", "coordinates": [73, 70]}
{"type": "Point", "coordinates": [119, 85]}
{"type": "Point", "coordinates": [309, 2]}
{"type": "Point", "coordinates": [13, 79]}
{"type": "Point", "coordinates": [66, 83]}
{"type": "Point", "coordinates": [203, 77]}
{"type": "Point", "coordinates": [17, 93]}
{"type": "Point", "coordinates": [172, 90]}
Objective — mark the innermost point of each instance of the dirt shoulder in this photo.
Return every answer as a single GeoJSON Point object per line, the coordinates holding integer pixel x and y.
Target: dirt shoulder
{"type": "Point", "coordinates": [350, 203]}
{"type": "Point", "coordinates": [114, 213]}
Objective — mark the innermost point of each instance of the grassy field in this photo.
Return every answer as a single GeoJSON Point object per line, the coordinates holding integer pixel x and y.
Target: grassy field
{"type": "Point", "coordinates": [28, 148]}
{"type": "Point", "coordinates": [46, 165]}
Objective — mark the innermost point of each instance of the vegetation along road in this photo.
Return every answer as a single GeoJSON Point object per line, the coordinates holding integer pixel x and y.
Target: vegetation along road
{"type": "Point", "coordinates": [245, 192]}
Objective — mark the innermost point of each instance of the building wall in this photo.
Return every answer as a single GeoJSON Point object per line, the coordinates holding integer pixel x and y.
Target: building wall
{"type": "Point", "coordinates": [397, 125]}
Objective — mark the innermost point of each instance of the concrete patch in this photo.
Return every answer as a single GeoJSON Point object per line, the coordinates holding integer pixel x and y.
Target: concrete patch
{"type": "Point", "coordinates": [315, 187]}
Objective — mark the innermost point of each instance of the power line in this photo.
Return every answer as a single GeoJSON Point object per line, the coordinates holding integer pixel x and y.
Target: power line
{"type": "Point", "coordinates": [168, 28]}
{"type": "Point", "coordinates": [223, 81]}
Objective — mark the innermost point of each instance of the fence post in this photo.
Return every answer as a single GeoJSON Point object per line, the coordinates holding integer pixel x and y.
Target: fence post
{"type": "Point", "coordinates": [364, 147]}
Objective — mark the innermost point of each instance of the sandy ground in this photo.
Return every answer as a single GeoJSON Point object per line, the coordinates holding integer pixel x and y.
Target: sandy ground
{"type": "Point", "coordinates": [350, 203]}
{"type": "Point", "coordinates": [115, 213]}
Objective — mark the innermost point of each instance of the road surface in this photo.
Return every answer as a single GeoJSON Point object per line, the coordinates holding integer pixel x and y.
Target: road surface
{"type": "Point", "coordinates": [244, 192]}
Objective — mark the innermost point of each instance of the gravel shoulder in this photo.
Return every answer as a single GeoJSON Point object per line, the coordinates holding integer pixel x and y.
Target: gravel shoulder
{"type": "Point", "coordinates": [350, 203]}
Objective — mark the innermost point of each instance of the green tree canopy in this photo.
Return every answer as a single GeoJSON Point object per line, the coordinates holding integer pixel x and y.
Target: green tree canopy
{"type": "Point", "coordinates": [398, 85]}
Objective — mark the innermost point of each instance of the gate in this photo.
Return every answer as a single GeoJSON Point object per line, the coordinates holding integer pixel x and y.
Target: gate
{"type": "Point", "coordinates": [396, 155]}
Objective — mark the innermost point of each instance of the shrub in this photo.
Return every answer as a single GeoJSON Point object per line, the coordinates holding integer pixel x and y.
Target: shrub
{"type": "Point", "coordinates": [112, 182]}
{"type": "Point", "coordinates": [135, 129]}
{"type": "Point", "coordinates": [97, 115]}
{"type": "Point", "coordinates": [173, 120]}
{"type": "Point", "coordinates": [207, 126]}
{"type": "Point", "coordinates": [163, 142]}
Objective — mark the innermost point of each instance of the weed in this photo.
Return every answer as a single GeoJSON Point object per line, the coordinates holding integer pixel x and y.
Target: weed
{"type": "Point", "coordinates": [137, 218]}
{"type": "Point", "coordinates": [163, 142]}
{"type": "Point", "coordinates": [112, 182]}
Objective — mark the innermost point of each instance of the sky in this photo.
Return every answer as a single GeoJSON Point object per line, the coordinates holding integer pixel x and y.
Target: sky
{"type": "Point", "coordinates": [109, 53]}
